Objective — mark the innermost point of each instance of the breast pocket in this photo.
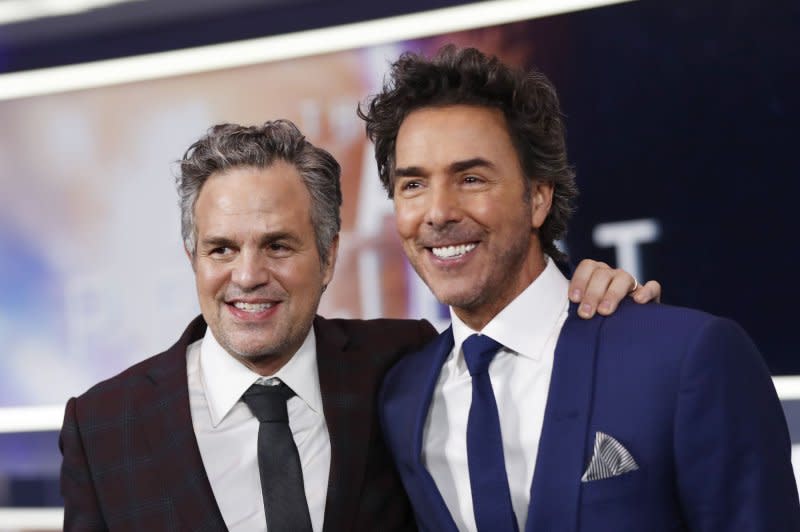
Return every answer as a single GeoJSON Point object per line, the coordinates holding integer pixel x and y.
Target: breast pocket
{"type": "Point", "coordinates": [627, 485]}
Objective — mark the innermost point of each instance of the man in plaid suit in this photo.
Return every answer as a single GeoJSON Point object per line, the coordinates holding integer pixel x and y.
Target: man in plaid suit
{"type": "Point", "coordinates": [169, 445]}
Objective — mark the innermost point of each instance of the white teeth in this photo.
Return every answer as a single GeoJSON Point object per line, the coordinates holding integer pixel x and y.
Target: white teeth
{"type": "Point", "coordinates": [451, 252]}
{"type": "Point", "coordinates": [253, 307]}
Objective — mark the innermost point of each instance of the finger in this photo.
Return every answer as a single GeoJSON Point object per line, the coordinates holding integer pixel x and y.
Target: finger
{"type": "Point", "coordinates": [650, 291]}
{"type": "Point", "coordinates": [581, 276]}
{"type": "Point", "coordinates": [619, 287]}
{"type": "Point", "coordinates": [595, 291]}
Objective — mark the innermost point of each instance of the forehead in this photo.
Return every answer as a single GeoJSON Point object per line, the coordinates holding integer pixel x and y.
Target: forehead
{"type": "Point", "coordinates": [275, 193]}
{"type": "Point", "coordinates": [453, 132]}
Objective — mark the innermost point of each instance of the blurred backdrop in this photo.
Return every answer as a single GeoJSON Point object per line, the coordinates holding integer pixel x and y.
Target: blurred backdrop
{"type": "Point", "coordinates": [682, 122]}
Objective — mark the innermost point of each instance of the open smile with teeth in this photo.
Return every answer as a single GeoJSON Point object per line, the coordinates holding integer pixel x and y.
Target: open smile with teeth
{"type": "Point", "coordinates": [453, 252]}
{"type": "Point", "coordinates": [253, 307]}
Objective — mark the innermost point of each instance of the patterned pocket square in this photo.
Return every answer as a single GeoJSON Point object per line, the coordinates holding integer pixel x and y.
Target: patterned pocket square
{"type": "Point", "coordinates": [610, 459]}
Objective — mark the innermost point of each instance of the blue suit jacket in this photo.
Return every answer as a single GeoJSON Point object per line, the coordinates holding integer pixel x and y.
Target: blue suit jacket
{"type": "Point", "coordinates": [686, 393]}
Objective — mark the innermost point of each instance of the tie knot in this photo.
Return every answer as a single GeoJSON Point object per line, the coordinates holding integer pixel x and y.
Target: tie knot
{"type": "Point", "coordinates": [268, 403]}
{"type": "Point", "coordinates": [479, 350]}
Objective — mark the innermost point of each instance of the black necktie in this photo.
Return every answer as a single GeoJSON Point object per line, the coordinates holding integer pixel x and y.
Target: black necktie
{"type": "Point", "coordinates": [491, 497]}
{"type": "Point", "coordinates": [278, 462]}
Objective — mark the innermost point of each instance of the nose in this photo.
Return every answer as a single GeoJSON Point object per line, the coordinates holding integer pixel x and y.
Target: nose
{"type": "Point", "coordinates": [251, 270]}
{"type": "Point", "coordinates": [443, 205]}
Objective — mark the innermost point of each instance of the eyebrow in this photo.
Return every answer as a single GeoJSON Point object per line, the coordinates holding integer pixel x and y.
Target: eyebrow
{"type": "Point", "coordinates": [216, 241]}
{"type": "Point", "coordinates": [221, 241]}
{"type": "Point", "coordinates": [275, 236]}
{"type": "Point", "coordinates": [410, 171]}
{"type": "Point", "coordinates": [455, 167]}
{"type": "Point", "coordinates": [475, 162]}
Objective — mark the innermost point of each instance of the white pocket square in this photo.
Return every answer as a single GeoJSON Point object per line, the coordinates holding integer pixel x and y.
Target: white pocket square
{"type": "Point", "coordinates": [610, 459]}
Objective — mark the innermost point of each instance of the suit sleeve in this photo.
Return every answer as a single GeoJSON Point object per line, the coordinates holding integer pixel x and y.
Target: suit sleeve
{"type": "Point", "coordinates": [732, 447]}
{"type": "Point", "coordinates": [427, 332]}
{"type": "Point", "coordinates": [81, 505]}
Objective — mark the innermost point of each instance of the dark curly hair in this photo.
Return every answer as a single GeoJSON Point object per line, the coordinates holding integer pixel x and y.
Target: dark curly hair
{"type": "Point", "coordinates": [469, 77]}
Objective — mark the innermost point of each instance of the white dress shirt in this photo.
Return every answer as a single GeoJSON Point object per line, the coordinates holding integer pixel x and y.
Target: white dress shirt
{"type": "Point", "coordinates": [520, 373]}
{"type": "Point", "coordinates": [227, 432]}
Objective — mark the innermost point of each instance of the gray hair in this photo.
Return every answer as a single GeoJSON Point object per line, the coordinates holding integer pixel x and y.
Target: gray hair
{"type": "Point", "coordinates": [228, 146]}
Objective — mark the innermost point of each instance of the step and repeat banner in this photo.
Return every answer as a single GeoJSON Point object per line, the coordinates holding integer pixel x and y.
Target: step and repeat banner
{"type": "Point", "coordinates": [682, 124]}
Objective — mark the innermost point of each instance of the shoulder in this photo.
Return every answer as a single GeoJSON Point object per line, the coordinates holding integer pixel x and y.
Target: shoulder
{"type": "Point", "coordinates": [659, 315]}
{"type": "Point", "coordinates": [666, 323]}
{"type": "Point", "coordinates": [678, 342]}
{"type": "Point", "coordinates": [125, 379]}
{"type": "Point", "coordinates": [160, 365]}
{"type": "Point", "coordinates": [426, 359]}
{"type": "Point", "coordinates": [368, 346]}
{"type": "Point", "coordinates": [396, 333]}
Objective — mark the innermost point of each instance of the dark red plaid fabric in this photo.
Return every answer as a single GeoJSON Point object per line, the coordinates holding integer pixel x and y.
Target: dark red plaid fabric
{"type": "Point", "coordinates": [131, 460]}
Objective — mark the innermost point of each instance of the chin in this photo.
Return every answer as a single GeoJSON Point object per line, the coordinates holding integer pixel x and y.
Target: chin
{"type": "Point", "coordinates": [256, 352]}
{"type": "Point", "coordinates": [249, 350]}
{"type": "Point", "coordinates": [458, 299]}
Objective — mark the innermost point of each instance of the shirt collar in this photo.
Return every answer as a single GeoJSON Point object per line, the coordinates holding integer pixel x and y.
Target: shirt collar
{"type": "Point", "coordinates": [225, 379]}
{"type": "Point", "coordinates": [526, 323]}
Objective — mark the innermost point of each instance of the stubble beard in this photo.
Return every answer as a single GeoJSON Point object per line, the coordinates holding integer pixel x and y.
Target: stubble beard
{"type": "Point", "coordinates": [271, 347]}
{"type": "Point", "coordinates": [489, 290]}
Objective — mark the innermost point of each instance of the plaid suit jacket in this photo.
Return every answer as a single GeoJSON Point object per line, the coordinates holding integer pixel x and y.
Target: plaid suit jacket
{"type": "Point", "coordinates": [131, 460]}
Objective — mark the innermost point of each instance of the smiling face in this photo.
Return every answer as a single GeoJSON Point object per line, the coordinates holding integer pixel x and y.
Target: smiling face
{"type": "Point", "coordinates": [257, 269]}
{"type": "Point", "coordinates": [466, 220]}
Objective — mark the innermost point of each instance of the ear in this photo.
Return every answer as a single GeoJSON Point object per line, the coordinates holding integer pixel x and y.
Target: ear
{"type": "Point", "coordinates": [189, 256]}
{"type": "Point", "coordinates": [327, 273]}
{"type": "Point", "coordinates": [541, 201]}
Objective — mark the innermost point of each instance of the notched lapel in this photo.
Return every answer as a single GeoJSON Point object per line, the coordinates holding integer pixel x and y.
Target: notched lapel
{"type": "Point", "coordinates": [349, 420]}
{"type": "Point", "coordinates": [164, 402]}
{"type": "Point", "coordinates": [434, 356]}
{"type": "Point", "coordinates": [555, 489]}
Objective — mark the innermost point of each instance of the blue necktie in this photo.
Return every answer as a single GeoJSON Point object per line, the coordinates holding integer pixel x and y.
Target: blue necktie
{"type": "Point", "coordinates": [491, 497]}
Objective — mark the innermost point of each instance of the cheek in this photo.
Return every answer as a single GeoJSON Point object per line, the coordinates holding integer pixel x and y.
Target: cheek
{"type": "Point", "coordinates": [406, 220]}
{"type": "Point", "coordinates": [502, 214]}
{"type": "Point", "coordinates": [487, 208]}
{"type": "Point", "coordinates": [210, 278]}
{"type": "Point", "coordinates": [298, 277]}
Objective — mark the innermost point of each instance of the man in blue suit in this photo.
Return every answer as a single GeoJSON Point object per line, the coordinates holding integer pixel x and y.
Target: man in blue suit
{"type": "Point", "coordinates": [654, 418]}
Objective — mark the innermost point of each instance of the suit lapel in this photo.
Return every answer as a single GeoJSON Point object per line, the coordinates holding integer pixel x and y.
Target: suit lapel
{"type": "Point", "coordinates": [556, 484]}
{"type": "Point", "coordinates": [171, 437]}
{"type": "Point", "coordinates": [435, 357]}
{"type": "Point", "coordinates": [348, 418]}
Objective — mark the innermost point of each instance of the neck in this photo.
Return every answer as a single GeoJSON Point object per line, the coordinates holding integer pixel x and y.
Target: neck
{"type": "Point", "coordinates": [264, 365]}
